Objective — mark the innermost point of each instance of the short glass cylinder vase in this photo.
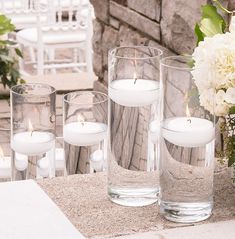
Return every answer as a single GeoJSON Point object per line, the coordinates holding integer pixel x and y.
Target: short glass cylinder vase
{"type": "Point", "coordinates": [187, 146]}
{"type": "Point", "coordinates": [134, 120]}
{"type": "Point", "coordinates": [33, 131]}
{"type": "Point", "coordinates": [85, 131]}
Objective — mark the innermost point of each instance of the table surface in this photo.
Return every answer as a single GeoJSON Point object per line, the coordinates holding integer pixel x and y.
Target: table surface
{"type": "Point", "coordinates": [27, 212]}
{"type": "Point", "coordinates": [65, 82]}
{"type": "Point", "coordinates": [83, 199]}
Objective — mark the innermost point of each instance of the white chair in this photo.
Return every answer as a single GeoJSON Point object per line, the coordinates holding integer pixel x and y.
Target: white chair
{"type": "Point", "coordinates": [21, 13]}
{"type": "Point", "coordinates": [72, 33]}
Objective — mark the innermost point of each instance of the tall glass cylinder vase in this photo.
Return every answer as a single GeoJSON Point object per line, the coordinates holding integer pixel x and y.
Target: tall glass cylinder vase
{"type": "Point", "coordinates": [187, 146]}
{"type": "Point", "coordinates": [85, 131]}
{"type": "Point", "coordinates": [33, 131]}
{"type": "Point", "coordinates": [133, 151]}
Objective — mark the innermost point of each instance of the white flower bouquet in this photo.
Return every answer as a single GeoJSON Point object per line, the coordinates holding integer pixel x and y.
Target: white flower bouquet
{"type": "Point", "coordinates": [214, 72]}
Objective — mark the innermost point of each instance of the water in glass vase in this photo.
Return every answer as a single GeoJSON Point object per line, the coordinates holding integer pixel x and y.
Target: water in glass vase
{"type": "Point", "coordinates": [133, 154]}
{"type": "Point", "coordinates": [186, 180]}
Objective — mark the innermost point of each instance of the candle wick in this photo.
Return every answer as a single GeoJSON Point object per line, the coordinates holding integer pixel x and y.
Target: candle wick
{"type": "Point", "coordinates": [82, 123]}
{"type": "Point", "coordinates": [135, 80]}
{"type": "Point", "coordinates": [31, 133]}
{"type": "Point", "coordinates": [189, 120]}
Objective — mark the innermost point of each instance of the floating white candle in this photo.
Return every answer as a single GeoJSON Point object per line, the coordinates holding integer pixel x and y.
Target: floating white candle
{"type": "Point", "coordinates": [134, 92]}
{"type": "Point", "coordinates": [43, 167]}
{"type": "Point", "coordinates": [188, 131]}
{"type": "Point", "coordinates": [84, 133]}
{"type": "Point", "coordinates": [43, 164]}
{"type": "Point", "coordinates": [21, 161]}
{"type": "Point", "coordinates": [5, 165]}
{"type": "Point", "coordinates": [97, 160]}
{"type": "Point", "coordinates": [32, 142]}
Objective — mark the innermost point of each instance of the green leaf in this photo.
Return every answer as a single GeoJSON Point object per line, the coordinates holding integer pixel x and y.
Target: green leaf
{"type": "Point", "coordinates": [231, 159]}
{"type": "Point", "coordinates": [22, 81]}
{"type": "Point", "coordinates": [18, 52]}
{"type": "Point", "coordinates": [212, 22]}
{"type": "Point", "coordinates": [199, 33]}
{"type": "Point", "coordinates": [209, 28]}
{"type": "Point", "coordinates": [7, 42]}
{"type": "Point", "coordinates": [232, 110]}
{"type": "Point", "coordinates": [6, 58]}
{"type": "Point", "coordinates": [5, 25]}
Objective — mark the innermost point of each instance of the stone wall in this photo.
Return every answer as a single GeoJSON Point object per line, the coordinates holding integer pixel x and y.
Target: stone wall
{"type": "Point", "coordinates": [168, 24]}
{"type": "Point", "coordinates": [162, 23]}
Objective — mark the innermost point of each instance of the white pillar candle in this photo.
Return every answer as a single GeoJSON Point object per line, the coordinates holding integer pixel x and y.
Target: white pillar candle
{"type": "Point", "coordinates": [97, 160]}
{"type": "Point", "coordinates": [134, 92]}
{"type": "Point", "coordinates": [5, 165]}
{"type": "Point", "coordinates": [188, 131]}
{"type": "Point", "coordinates": [84, 133]}
{"type": "Point", "coordinates": [21, 161]}
{"type": "Point", "coordinates": [43, 167]}
{"type": "Point", "coordinates": [32, 143]}
{"type": "Point", "coordinates": [43, 164]}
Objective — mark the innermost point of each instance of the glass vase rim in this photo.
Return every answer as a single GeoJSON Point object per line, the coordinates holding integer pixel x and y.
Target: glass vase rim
{"type": "Point", "coordinates": [83, 92]}
{"type": "Point", "coordinates": [12, 90]}
{"type": "Point", "coordinates": [173, 58]}
{"type": "Point", "coordinates": [160, 52]}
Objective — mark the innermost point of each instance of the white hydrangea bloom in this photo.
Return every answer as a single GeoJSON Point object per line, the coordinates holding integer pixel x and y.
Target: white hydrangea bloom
{"type": "Point", "coordinates": [214, 72]}
{"type": "Point", "coordinates": [230, 96]}
{"type": "Point", "coordinates": [221, 108]}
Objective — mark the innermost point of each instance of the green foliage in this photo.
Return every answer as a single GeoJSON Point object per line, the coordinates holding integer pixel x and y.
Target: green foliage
{"type": "Point", "coordinates": [232, 110]}
{"type": "Point", "coordinates": [228, 130]}
{"type": "Point", "coordinates": [5, 25]}
{"type": "Point", "coordinates": [211, 23]}
{"type": "Point", "coordinates": [9, 74]}
{"type": "Point", "coordinates": [200, 35]}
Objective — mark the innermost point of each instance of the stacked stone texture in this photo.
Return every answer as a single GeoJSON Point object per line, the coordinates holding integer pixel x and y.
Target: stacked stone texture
{"type": "Point", "coordinates": [162, 23]}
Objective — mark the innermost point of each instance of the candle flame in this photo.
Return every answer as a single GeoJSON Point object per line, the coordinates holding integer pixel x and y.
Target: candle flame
{"type": "Point", "coordinates": [1, 153]}
{"type": "Point", "coordinates": [135, 77]}
{"type": "Point", "coordinates": [30, 126]}
{"type": "Point", "coordinates": [187, 111]}
{"type": "Point", "coordinates": [80, 118]}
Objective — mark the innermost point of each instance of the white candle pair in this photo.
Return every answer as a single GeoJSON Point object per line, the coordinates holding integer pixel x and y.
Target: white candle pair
{"type": "Point", "coordinates": [182, 131]}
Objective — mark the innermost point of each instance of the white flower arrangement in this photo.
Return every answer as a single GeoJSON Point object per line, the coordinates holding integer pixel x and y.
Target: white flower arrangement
{"type": "Point", "coordinates": [214, 71]}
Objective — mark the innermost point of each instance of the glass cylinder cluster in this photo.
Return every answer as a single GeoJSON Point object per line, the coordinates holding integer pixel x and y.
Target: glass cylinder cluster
{"type": "Point", "coordinates": [33, 131]}
{"type": "Point", "coordinates": [187, 146]}
{"type": "Point", "coordinates": [85, 131]}
{"type": "Point", "coordinates": [134, 119]}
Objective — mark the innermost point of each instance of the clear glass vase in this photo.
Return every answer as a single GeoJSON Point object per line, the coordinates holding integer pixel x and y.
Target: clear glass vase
{"type": "Point", "coordinates": [134, 119]}
{"type": "Point", "coordinates": [85, 131]}
{"type": "Point", "coordinates": [33, 131]}
{"type": "Point", "coordinates": [187, 146]}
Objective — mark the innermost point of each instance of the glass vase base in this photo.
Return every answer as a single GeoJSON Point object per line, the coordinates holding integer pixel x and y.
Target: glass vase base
{"type": "Point", "coordinates": [186, 212]}
{"type": "Point", "coordinates": [133, 197]}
